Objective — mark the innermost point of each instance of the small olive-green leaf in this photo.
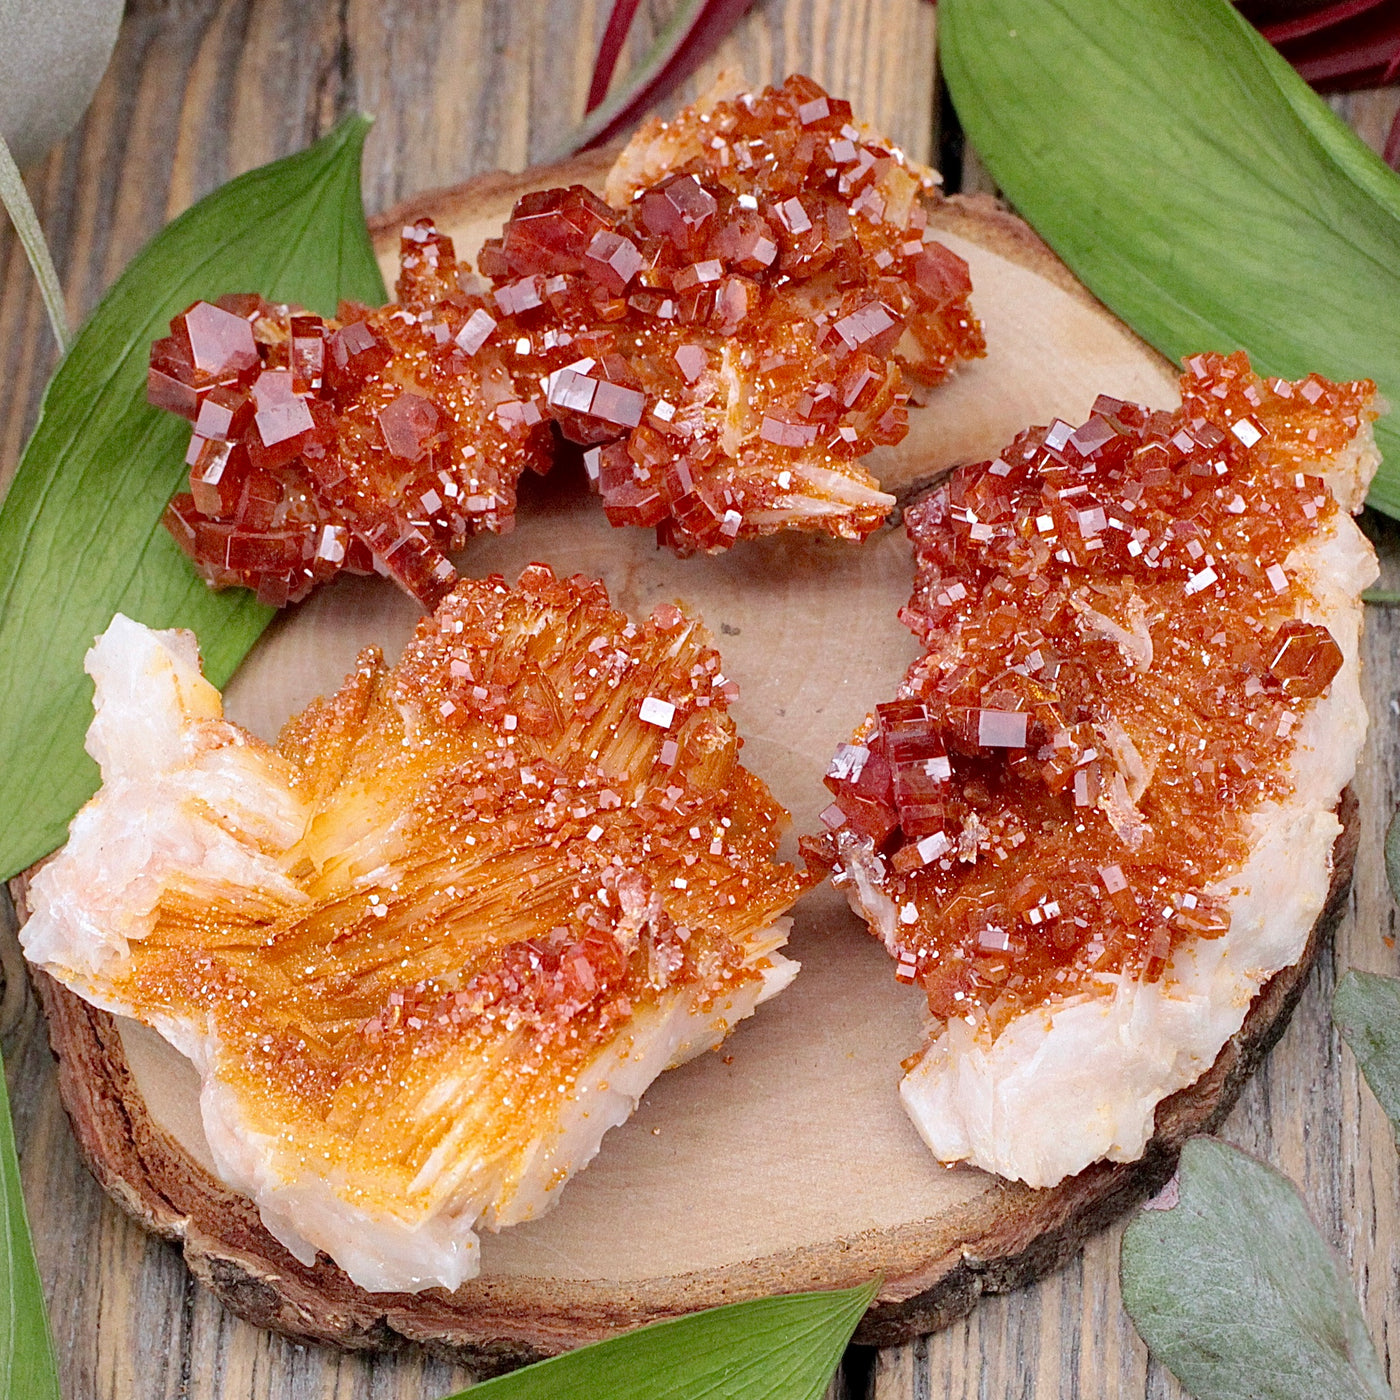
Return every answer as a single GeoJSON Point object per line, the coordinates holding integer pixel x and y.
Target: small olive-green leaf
{"type": "Point", "coordinates": [1366, 1009]}
{"type": "Point", "coordinates": [1192, 180]}
{"type": "Point", "coordinates": [26, 1351]}
{"type": "Point", "coordinates": [784, 1348]}
{"type": "Point", "coordinates": [80, 532]}
{"type": "Point", "coordinates": [1235, 1292]}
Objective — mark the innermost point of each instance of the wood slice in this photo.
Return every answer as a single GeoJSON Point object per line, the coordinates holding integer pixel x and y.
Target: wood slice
{"type": "Point", "coordinates": [784, 1161]}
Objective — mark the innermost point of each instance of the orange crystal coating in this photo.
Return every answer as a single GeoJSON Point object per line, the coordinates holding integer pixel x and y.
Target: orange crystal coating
{"type": "Point", "coordinates": [1112, 673]}
{"type": "Point", "coordinates": [525, 834]}
{"type": "Point", "coordinates": [726, 347]}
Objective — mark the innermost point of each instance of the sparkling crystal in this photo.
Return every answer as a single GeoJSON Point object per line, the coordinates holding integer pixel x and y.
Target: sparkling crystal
{"type": "Point", "coordinates": [1106, 689]}
{"type": "Point", "coordinates": [612, 259]}
{"type": "Point", "coordinates": [282, 420]}
{"type": "Point", "coordinates": [476, 329]}
{"type": "Point", "coordinates": [224, 413]}
{"type": "Point", "coordinates": [356, 354]}
{"type": "Point", "coordinates": [553, 230]}
{"type": "Point", "coordinates": [742, 285]}
{"type": "Point", "coordinates": [692, 361]}
{"type": "Point", "coordinates": [308, 353]}
{"type": "Point", "coordinates": [409, 424]}
{"type": "Point", "coordinates": [1002, 729]}
{"type": "Point", "coordinates": [220, 344]}
{"type": "Point", "coordinates": [658, 712]}
{"type": "Point", "coordinates": [1303, 658]}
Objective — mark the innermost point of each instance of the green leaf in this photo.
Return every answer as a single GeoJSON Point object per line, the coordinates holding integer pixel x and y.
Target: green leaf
{"type": "Point", "coordinates": [20, 208]}
{"type": "Point", "coordinates": [1192, 180]}
{"type": "Point", "coordinates": [1366, 1009]}
{"type": "Point", "coordinates": [80, 532]}
{"type": "Point", "coordinates": [27, 1365]}
{"type": "Point", "coordinates": [784, 1348]}
{"type": "Point", "coordinates": [1235, 1292]}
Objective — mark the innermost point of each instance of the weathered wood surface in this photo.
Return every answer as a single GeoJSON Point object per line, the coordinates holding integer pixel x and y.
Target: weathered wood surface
{"type": "Point", "coordinates": [202, 89]}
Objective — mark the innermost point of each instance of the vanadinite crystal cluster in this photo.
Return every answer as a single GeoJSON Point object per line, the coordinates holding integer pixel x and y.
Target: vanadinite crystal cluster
{"type": "Point", "coordinates": [433, 945]}
{"type": "Point", "coordinates": [1114, 664]}
{"type": "Point", "coordinates": [726, 337]}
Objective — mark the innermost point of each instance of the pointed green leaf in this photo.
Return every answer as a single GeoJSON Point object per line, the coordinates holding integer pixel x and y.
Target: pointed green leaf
{"type": "Point", "coordinates": [80, 533]}
{"type": "Point", "coordinates": [26, 1351]}
{"type": "Point", "coordinates": [1235, 1292]}
{"type": "Point", "coordinates": [784, 1348]}
{"type": "Point", "coordinates": [1366, 1010]}
{"type": "Point", "coordinates": [1192, 180]}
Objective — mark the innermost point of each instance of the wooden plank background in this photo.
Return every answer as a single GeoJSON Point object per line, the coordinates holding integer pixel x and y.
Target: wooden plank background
{"type": "Point", "coordinates": [200, 90]}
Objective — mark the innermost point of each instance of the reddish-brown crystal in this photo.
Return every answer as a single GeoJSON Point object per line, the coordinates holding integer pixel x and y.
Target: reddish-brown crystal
{"type": "Point", "coordinates": [378, 443]}
{"type": "Point", "coordinates": [218, 343]}
{"type": "Point", "coordinates": [730, 335]}
{"type": "Point", "coordinates": [1303, 659]}
{"type": "Point", "coordinates": [1114, 664]}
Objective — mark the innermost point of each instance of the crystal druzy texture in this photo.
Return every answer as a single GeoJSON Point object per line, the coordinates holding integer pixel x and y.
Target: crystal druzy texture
{"type": "Point", "coordinates": [1114, 665]}
{"type": "Point", "coordinates": [431, 946]}
{"type": "Point", "coordinates": [377, 442]}
{"type": "Point", "coordinates": [726, 339]}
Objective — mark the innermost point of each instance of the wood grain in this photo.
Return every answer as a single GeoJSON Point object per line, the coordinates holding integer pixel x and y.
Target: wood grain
{"type": "Point", "coordinates": [202, 89]}
{"type": "Point", "coordinates": [198, 91]}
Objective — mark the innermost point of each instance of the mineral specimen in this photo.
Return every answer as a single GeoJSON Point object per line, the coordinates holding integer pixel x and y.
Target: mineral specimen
{"type": "Point", "coordinates": [376, 442]}
{"type": "Point", "coordinates": [739, 324]}
{"type": "Point", "coordinates": [430, 947]}
{"type": "Point", "coordinates": [726, 338]}
{"type": "Point", "coordinates": [1140, 669]}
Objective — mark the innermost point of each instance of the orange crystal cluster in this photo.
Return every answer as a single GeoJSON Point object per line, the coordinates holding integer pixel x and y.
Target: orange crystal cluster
{"type": "Point", "coordinates": [526, 834]}
{"type": "Point", "coordinates": [1113, 668]}
{"type": "Point", "coordinates": [726, 346]}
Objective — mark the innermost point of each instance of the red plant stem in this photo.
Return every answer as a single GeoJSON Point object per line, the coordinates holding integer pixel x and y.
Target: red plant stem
{"type": "Point", "coordinates": [1334, 61]}
{"type": "Point", "coordinates": [1303, 41]}
{"type": "Point", "coordinates": [614, 37]}
{"type": "Point", "coordinates": [1324, 18]}
{"type": "Point", "coordinates": [688, 39]}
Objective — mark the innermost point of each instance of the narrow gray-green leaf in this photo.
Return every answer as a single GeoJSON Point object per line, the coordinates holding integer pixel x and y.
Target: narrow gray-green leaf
{"type": "Point", "coordinates": [20, 208]}
{"type": "Point", "coordinates": [1192, 180]}
{"type": "Point", "coordinates": [1366, 1009]}
{"type": "Point", "coordinates": [80, 533]}
{"type": "Point", "coordinates": [784, 1348]}
{"type": "Point", "coordinates": [26, 1351]}
{"type": "Point", "coordinates": [1235, 1292]}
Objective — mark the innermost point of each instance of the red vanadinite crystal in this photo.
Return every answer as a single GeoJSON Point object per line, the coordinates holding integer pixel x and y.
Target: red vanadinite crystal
{"type": "Point", "coordinates": [376, 443]}
{"type": "Point", "coordinates": [727, 338]}
{"type": "Point", "coordinates": [1113, 668]}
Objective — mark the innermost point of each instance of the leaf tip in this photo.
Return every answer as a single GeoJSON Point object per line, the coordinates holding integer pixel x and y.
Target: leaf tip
{"type": "Point", "coordinates": [1168, 1197]}
{"type": "Point", "coordinates": [350, 131]}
